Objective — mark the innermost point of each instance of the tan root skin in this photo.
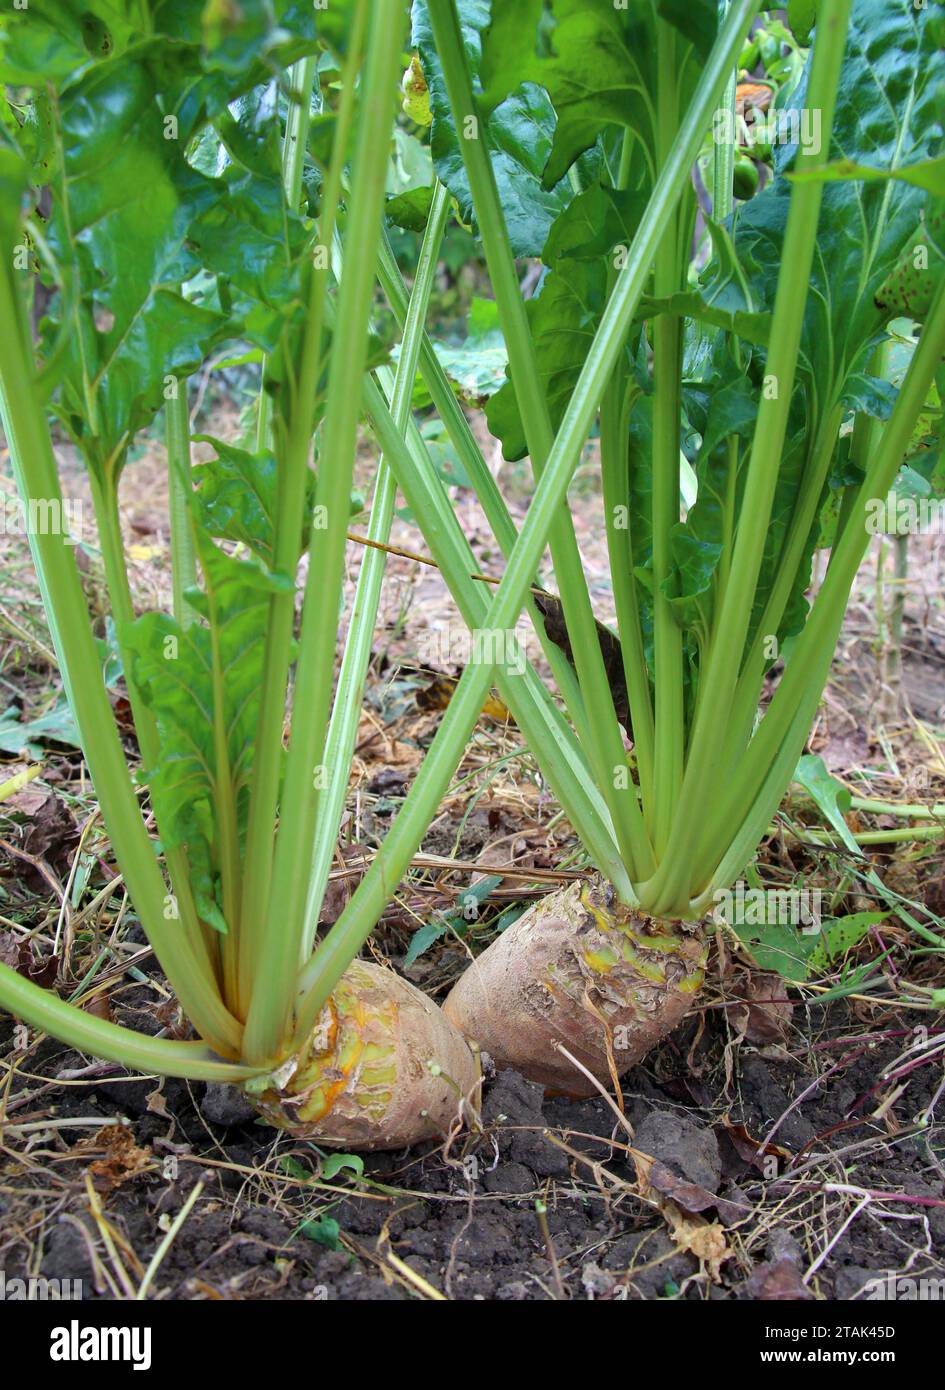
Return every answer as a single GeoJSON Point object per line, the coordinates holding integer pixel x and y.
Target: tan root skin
{"type": "Point", "coordinates": [364, 1081]}
{"type": "Point", "coordinates": [574, 968]}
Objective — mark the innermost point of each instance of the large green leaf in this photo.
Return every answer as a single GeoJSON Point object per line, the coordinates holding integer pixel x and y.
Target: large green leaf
{"type": "Point", "coordinates": [122, 201]}
{"type": "Point", "coordinates": [521, 131]}
{"type": "Point", "coordinates": [236, 498]}
{"type": "Point", "coordinates": [56, 40]}
{"type": "Point", "coordinates": [719, 407]}
{"type": "Point", "coordinates": [598, 64]}
{"type": "Point", "coordinates": [563, 320]}
{"type": "Point", "coordinates": [564, 316]}
{"type": "Point", "coordinates": [121, 96]}
{"type": "Point", "coordinates": [595, 59]}
{"type": "Point", "coordinates": [203, 686]}
{"type": "Point", "coordinates": [476, 367]}
{"type": "Point", "coordinates": [248, 236]}
{"type": "Point", "coordinates": [222, 49]}
{"type": "Point", "coordinates": [887, 118]}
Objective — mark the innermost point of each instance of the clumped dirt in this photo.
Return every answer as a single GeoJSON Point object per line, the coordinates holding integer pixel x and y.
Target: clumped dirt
{"type": "Point", "coordinates": [779, 1173]}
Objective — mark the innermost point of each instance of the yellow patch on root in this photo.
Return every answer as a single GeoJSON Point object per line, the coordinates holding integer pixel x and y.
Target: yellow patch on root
{"type": "Point", "coordinates": [383, 1068]}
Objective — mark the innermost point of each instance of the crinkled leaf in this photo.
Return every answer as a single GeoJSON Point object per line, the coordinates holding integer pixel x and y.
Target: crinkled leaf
{"type": "Point", "coordinates": [888, 113]}
{"type": "Point", "coordinates": [193, 696]}
{"type": "Point", "coordinates": [57, 39]}
{"type": "Point", "coordinates": [249, 236]}
{"type": "Point", "coordinates": [520, 131]}
{"type": "Point", "coordinates": [596, 61]}
{"type": "Point", "coordinates": [273, 33]}
{"type": "Point", "coordinates": [886, 117]}
{"type": "Point", "coordinates": [598, 220]}
{"type": "Point", "coordinates": [249, 129]}
{"type": "Point", "coordinates": [235, 498]}
{"type": "Point", "coordinates": [476, 366]}
{"type": "Point", "coordinates": [121, 207]}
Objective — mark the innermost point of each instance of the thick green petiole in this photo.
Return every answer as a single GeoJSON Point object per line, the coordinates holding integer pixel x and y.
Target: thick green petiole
{"type": "Point", "coordinates": [668, 892]}
{"type": "Point", "coordinates": [477, 470]}
{"type": "Point", "coordinates": [183, 550]}
{"type": "Point", "coordinates": [757, 781]}
{"type": "Point", "coordinates": [548, 735]}
{"type": "Point", "coordinates": [301, 83]}
{"type": "Point", "coordinates": [34, 466]}
{"type": "Point", "coordinates": [359, 917]}
{"type": "Point", "coordinates": [670, 731]}
{"type": "Point", "coordinates": [346, 711]}
{"type": "Point", "coordinates": [293, 448]}
{"type": "Point", "coordinates": [276, 964]}
{"type": "Point", "coordinates": [604, 743]}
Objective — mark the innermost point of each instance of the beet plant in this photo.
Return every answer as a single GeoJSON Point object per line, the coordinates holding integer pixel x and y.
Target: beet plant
{"type": "Point", "coordinates": [764, 374]}
{"type": "Point", "coordinates": [190, 184]}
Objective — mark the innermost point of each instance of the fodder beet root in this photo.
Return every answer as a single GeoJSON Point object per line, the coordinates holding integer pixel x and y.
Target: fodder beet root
{"type": "Point", "coordinates": [580, 969]}
{"type": "Point", "coordinates": [382, 1069]}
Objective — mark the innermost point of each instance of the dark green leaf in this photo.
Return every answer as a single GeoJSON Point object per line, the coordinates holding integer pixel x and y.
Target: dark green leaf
{"type": "Point", "coordinates": [411, 209]}
{"type": "Point", "coordinates": [563, 319]}
{"type": "Point", "coordinates": [121, 207]}
{"type": "Point", "coordinates": [520, 133]}
{"type": "Point", "coordinates": [597, 62]}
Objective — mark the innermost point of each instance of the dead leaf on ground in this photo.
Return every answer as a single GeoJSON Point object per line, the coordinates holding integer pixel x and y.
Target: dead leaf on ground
{"type": "Point", "coordinates": [691, 1232]}
{"type": "Point", "coordinates": [704, 1239]}
{"type": "Point", "coordinates": [749, 1149]}
{"type": "Point", "coordinates": [52, 835]}
{"type": "Point", "coordinates": [99, 1006]}
{"type": "Point", "coordinates": [157, 1103]}
{"type": "Point", "coordinates": [690, 1195]}
{"type": "Point", "coordinates": [123, 1158]}
{"type": "Point", "coordinates": [764, 1012]}
{"type": "Point", "coordinates": [17, 953]}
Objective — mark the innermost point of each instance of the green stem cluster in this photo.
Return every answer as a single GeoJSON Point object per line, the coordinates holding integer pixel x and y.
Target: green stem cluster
{"type": "Point", "coordinates": [708, 779]}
